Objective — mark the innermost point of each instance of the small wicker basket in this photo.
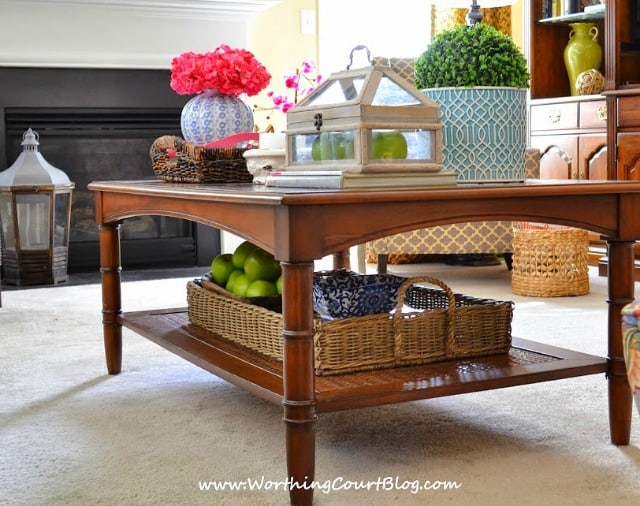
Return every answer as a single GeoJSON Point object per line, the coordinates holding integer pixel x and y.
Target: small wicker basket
{"type": "Point", "coordinates": [440, 326]}
{"type": "Point", "coordinates": [177, 161]}
{"type": "Point", "coordinates": [551, 262]}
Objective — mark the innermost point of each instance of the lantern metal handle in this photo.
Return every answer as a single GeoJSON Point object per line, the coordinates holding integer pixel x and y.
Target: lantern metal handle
{"type": "Point", "coordinates": [30, 133]}
{"type": "Point", "coordinates": [359, 47]}
{"type": "Point", "coordinates": [30, 140]}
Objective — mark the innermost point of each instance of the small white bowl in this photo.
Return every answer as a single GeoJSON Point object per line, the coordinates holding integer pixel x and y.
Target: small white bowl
{"type": "Point", "coordinates": [262, 161]}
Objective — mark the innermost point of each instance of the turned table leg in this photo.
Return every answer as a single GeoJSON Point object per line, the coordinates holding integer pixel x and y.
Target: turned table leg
{"type": "Point", "coordinates": [342, 260]}
{"type": "Point", "coordinates": [621, 292]}
{"type": "Point", "coordinates": [111, 299]}
{"type": "Point", "coordinates": [299, 380]}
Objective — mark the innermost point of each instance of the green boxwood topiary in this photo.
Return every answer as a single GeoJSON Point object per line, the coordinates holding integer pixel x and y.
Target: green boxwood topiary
{"type": "Point", "coordinates": [468, 56]}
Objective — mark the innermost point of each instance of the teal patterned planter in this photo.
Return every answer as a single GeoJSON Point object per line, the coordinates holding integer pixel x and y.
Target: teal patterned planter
{"type": "Point", "coordinates": [484, 132]}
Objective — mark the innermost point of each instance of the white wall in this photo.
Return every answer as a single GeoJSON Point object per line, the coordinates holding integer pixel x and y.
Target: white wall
{"type": "Point", "coordinates": [398, 28]}
{"type": "Point", "coordinates": [118, 33]}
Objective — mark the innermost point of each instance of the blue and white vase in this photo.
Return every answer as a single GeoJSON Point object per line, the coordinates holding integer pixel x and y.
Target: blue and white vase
{"type": "Point", "coordinates": [210, 116]}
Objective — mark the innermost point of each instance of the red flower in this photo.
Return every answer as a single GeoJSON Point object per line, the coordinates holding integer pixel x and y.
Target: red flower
{"type": "Point", "coordinates": [230, 71]}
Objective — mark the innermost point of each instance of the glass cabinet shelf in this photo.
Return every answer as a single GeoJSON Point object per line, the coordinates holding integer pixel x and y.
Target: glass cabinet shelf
{"type": "Point", "coordinates": [577, 17]}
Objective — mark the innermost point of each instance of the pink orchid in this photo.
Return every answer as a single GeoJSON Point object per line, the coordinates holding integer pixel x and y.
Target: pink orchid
{"type": "Point", "coordinates": [291, 81]}
{"type": "Point", "coordinates": [302, 82]}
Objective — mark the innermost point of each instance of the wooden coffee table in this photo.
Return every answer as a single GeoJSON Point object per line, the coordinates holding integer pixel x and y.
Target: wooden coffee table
{"type": "Point", "coordinates": [302, 226]}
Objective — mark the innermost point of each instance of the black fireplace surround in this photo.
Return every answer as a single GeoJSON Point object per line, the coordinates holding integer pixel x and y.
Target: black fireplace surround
{"type": "Point", "coordinates": [98, 124]}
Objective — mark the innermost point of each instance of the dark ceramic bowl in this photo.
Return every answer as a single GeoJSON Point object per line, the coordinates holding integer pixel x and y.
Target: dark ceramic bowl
{"type": "Point", "coordinates": [342, 293]}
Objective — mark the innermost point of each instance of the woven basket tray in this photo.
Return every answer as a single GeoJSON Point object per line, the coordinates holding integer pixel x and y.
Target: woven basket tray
{"type": "Point", "coordinates": [272, 303]}
{"type": "Point", "coordinates": [443, 326]}
{"type": "Point", "coordinates": [177, 161]}
{"type": "Point", "coordinates": [550, 263]}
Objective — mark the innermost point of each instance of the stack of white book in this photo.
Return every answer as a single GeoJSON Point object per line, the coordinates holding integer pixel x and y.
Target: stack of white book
{"type": "Point", "coordinates": [336, 179]}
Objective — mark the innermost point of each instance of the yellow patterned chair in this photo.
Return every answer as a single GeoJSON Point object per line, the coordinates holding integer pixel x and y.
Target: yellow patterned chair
{"type": "Point", "coordinates": [481, 237]}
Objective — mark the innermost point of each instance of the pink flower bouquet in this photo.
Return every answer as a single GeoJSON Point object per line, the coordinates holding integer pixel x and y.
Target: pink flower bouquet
{"type": "Point", "coordinates": [228, 70]}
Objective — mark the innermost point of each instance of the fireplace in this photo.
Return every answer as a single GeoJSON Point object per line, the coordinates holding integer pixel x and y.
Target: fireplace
{"type": "Point", "coordinates": [98, 124]}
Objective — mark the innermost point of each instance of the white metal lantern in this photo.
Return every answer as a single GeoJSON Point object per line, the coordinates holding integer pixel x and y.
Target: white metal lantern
{"type": "Point", "coordinates": [35, 214]}
{"type": "Point", "coordinates": [365, 120]}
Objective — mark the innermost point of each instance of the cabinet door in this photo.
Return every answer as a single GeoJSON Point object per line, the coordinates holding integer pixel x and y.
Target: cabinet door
{"type": "Point", "coordinates": [593, 157]}
{"type": "Point", "coordinates": [558, 155]}
{"type": "Point", "coordinates": [629, 156]}
{"type": "Point", "coordinates": [593, 165]}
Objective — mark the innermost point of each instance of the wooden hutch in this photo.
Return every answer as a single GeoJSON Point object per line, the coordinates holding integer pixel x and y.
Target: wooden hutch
{"type": "Point", "coordinates": [587, 136]}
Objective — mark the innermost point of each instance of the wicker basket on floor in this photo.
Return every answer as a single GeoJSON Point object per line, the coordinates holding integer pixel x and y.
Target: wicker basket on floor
{"type": "Point", "coordinates": [550, 263]}
{"type": "Point", "coordinates": [177, 161]}
{"type": "Point", "coordinates": [441, 326]}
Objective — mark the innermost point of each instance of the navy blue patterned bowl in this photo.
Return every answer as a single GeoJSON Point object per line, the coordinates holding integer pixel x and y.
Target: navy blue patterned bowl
{"type": "Point", "coordinates": [342, 293]}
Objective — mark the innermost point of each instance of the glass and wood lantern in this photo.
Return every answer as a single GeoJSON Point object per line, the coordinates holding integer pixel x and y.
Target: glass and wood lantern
{"type": "Point", "coordinates": [35, 215]}
{"type": "Point", "coordinates": [365, 120]}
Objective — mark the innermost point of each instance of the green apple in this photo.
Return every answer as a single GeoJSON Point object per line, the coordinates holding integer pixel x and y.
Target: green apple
{"type": "Point", "coordinates": [221, 267]}
{"type": "Point", "coordinates": [279, 285]}
{"type": "Point", "coordinates": [234, 274]}
{"type": "Point", "coordinates": [240, 285]}
{"type": "Point", "coordinates": [388, 144]}
{"type": "Point", "coordinates": [261, 288]}
{"type": "Point", "coordinates": [333, 146]}
{"type": "Point", "coordinates": [316, 154]}
{"type": "Point", "coordinates": [241, 252]}
{"type": "Point", "coordinates": [261, 264]}
{"type": "Point", "coordinates": [321, 147]}
{"type": "Point", "coordinates": [343, 145]}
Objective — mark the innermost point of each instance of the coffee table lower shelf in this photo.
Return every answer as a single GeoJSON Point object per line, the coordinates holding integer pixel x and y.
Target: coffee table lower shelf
{"type": "Point", "coordinates": [527, 362]}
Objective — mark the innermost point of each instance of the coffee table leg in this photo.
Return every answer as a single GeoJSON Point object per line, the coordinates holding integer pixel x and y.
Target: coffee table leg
{"type": "Point", "coordinates": [342, 260]}
{"type": "Point", "coordinates": [299, 380]}
{"type": "Point", "coordinates": [111, 299]}
{"type": "Point", "coordinates": [621, 292]}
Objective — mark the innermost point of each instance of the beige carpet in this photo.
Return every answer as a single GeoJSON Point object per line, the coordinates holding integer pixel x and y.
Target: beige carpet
{"type": "Point", "coordinates": [72, 435]}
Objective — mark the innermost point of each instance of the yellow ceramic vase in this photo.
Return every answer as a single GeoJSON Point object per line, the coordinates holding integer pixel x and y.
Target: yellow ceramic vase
{"type": "Point", "coordinates": [582, 52]}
